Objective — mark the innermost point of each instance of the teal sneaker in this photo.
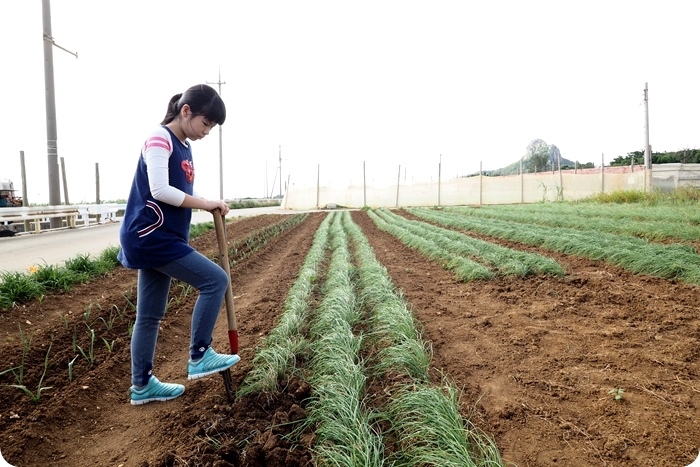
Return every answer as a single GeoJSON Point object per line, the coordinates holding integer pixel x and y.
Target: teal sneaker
{"type": "Point", "coordinates": [210, 363]}
{"type": "Point", "coordinates": [155, 391]}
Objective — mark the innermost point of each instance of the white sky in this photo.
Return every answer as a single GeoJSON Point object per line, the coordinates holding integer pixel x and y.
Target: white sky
{"type": "Point", "coordinates": [336, 84]}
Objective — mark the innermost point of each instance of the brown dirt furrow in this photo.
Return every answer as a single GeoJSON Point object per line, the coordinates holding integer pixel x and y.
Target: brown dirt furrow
{"type": "Point", "coordinates": [89, 421]}
{"type": "Point", "coordinates": [538, 356]}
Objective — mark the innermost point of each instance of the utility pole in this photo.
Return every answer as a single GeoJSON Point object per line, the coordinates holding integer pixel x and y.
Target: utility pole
{"type": "Point", "coordinates": [439, 178]}
{"type": "Point", "coordinates": [51, 133]}
{"type": "Point", "coordinates": [280, 171]}
{"type": "Point", "coordinates": [221, 157]}
{"type": "Point", "coordinates": [647, 148]}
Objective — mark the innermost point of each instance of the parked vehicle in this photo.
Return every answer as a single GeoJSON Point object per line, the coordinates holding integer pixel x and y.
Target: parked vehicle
{"type": "Point", "coordinates": [7, 195]}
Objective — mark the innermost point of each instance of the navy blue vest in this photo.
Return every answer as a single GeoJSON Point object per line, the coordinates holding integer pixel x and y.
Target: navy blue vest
{"type": "Point", "coordinates": [154, 233]}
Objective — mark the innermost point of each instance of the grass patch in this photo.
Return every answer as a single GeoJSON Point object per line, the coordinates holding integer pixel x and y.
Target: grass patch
{"type": "Point", "coordinates": [20, 287]}
{"type": "Point", "coordinates": [680, 196]}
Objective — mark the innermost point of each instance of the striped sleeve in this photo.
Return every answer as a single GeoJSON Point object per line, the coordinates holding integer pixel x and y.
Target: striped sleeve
{"type": "Point", "coordinates": [156, 153]}
{"type": "Point", "coordinates": [156, 142]}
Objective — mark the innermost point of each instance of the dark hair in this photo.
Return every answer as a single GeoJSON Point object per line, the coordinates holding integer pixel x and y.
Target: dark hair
{"type": "Point", "coordinates": [202, 99]}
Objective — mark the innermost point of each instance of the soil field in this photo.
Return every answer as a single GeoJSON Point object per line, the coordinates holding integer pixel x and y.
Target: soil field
{"type": "Point", "coordinates": [536, 359]}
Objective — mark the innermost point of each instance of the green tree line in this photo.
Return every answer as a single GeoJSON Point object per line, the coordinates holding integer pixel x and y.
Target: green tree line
{"type": "Point", "coordinates": [684, 156]}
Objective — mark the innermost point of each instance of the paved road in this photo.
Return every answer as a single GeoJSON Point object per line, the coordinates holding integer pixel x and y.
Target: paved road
{"type": "Point", "coordinates": [54, 247]}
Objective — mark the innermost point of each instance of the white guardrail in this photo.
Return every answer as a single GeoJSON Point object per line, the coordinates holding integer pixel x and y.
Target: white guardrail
{"type": "Point", "coordinates": [78, 215]}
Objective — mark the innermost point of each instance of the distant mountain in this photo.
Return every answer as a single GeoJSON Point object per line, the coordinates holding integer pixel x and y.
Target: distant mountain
{"type": "Point", "coordinates": [514, 168]}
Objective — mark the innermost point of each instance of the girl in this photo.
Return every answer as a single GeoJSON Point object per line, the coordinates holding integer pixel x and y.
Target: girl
{"type": "Point", "coordinates": [154, 238]}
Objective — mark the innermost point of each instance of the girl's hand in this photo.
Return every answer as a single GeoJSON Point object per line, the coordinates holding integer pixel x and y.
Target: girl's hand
{"type": "Point", "coordinates": [207, 204]}
{"type": "Point", "coordinates": [217, 204]}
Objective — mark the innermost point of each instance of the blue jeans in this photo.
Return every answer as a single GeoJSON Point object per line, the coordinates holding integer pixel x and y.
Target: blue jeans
{"type": "Point", "coordinates": [194, 269]}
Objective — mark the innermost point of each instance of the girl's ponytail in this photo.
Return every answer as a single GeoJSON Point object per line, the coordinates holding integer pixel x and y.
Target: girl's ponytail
{"type": "Point", "coordinates": [173, 109]}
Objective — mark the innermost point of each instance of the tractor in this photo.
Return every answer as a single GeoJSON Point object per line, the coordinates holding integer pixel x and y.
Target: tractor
{"type": "Point", "coordinates": [7, 195]}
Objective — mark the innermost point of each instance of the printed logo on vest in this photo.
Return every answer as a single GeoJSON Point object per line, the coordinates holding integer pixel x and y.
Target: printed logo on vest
{"type": "Point", "coordinates": [188, 168]}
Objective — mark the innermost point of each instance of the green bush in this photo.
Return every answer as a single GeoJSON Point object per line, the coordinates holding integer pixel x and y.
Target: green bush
{"type": "Point", "coordinates": [19, 287]}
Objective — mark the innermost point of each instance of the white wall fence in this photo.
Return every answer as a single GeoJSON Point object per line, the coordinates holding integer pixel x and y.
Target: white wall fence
{"type": "Point", "coordinates": [668, 177]}
{"type": "Point", "coordinates": [80, 215]}
{"type": "Point", "coordinates": [564, 185]}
